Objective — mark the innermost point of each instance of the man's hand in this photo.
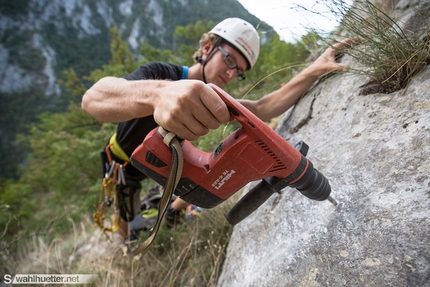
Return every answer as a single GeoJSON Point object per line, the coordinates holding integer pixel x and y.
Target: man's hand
{"type": "Point", "coordinates": [189, 109]}
{"type": "Point", "coordinates": [326, 63]}
{"type": "Point", "coordinates": [279, 101]}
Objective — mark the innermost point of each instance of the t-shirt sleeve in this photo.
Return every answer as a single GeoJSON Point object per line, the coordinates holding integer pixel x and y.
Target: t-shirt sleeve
{"type": "Point", "coordinates": [156, 71]}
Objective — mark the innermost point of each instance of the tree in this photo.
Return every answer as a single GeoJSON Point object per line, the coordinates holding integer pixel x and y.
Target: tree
{"type": "Point", "coordinates": [190, 36]}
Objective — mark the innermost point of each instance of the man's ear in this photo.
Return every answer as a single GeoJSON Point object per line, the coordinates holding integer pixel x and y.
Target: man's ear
{"type": "Point", "coordinates": [206, 49]}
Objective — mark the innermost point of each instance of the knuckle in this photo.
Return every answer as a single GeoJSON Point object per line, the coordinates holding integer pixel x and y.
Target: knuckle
{"type": "Point", "coordinates": [176, 110]}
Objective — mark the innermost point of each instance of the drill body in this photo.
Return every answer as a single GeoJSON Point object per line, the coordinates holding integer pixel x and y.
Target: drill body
{"type": "Point", "coordinates": [252, 152]}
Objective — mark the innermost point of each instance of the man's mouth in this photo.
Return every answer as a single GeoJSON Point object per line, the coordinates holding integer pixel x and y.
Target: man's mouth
{"type": "Point", "coordinates": [224, 81]}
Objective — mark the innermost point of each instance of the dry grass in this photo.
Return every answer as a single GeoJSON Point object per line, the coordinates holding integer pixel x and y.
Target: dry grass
{"type": "Point", "coordinates": [192, 255]}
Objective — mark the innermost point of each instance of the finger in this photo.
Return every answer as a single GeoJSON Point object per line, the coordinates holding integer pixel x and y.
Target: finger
{"type": "Point", "coordinates": [191, 132]}
{"type": "Point", "coordinates": [215, 105]}
{"type": "Point", "coordinates": [179, 124]}
{"type": "Point", "coordinates": [195, 116]}
{"type": "Point", "coordinates": [203, 119]}
{"type": "Point", "coordinates": [208, 112]}
{"type": "Point", "coordinates": [348, 43]}
{"type": "Point", "coordinates": [195, 125]}
{"type": "Point", "coordinates": [192, 122]}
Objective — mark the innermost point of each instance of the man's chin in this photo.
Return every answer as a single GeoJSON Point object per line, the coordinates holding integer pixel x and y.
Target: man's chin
{"type": "Point", "coordinates": [220, 83]}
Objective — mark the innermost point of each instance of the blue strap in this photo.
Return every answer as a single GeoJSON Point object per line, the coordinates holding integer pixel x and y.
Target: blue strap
{"type": "Point", "coordinates": [184, 72]}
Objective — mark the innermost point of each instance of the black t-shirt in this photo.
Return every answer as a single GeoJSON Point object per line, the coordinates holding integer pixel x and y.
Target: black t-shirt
{"type": "Point", "coordinates": [130, 134]}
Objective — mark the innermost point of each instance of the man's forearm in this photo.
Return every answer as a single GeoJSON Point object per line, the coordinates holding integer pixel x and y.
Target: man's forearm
{"type": "Point", "coordinates": [279, 101]}
{"type": "Point", "coordinates": [115, 99]}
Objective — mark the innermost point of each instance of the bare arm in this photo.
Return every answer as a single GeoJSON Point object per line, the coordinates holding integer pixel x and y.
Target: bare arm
{"type": "Point", "coordinates": [279, 101]}
{"type": "Point", "coordinates": [188, 108]}
{"type": "Point", "coordinates": [116, 100]}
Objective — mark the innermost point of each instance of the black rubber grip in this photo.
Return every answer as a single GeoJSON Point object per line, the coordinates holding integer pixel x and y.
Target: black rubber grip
{"type": "Point", "coordinates": [250, 202]}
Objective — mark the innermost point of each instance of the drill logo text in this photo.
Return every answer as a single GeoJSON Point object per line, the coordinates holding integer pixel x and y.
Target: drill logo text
{"type": "Point", "coordinates": [223, 178]}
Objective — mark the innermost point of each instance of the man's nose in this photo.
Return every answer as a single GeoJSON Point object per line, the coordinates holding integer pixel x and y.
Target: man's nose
{"type": "Point", "coordinates": [231, 73]}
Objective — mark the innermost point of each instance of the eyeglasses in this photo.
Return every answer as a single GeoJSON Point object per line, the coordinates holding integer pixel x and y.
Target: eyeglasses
{"type": "Point", "coordinates": [232, 64]}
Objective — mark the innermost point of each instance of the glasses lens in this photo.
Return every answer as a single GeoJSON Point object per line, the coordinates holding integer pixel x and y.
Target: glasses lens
{"type": "Point", "coordinates": [232, 64]}
{"type": "Point", "coordinates": [240, 77]}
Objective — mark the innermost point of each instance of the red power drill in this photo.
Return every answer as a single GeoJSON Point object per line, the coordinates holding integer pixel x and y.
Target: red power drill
{"type": "Point", "coordinates": [253, 152]}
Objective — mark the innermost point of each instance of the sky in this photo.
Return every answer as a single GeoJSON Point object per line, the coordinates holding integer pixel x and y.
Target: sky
{"type": "Point", "coordinates": [288, 19]}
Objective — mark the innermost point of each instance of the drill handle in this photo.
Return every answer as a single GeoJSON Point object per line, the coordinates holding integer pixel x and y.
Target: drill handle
{"type": "Point", "coordinates": [250, 202]}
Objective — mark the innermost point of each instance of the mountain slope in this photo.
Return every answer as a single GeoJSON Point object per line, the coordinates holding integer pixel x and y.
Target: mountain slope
{"type": "Point", "coordinates": [39, 39]}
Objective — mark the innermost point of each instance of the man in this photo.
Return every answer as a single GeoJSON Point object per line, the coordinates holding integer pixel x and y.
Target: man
{"type": "Point", "coordinates": [178, 99]}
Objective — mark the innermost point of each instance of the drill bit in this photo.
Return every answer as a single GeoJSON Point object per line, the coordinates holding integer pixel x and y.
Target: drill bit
{"type": "Point", "coordinates": [331, 199]}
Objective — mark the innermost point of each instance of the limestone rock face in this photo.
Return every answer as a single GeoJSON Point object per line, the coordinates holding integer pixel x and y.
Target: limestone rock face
{"type": "Point", "coordinates": [375, 151]}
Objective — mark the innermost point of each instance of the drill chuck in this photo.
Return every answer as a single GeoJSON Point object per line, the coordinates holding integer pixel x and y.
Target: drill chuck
{"type": "Point", "coordinates": [313, 184]}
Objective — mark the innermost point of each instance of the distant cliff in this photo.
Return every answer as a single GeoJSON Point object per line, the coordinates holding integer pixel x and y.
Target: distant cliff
{"type": "Point", "coordinates": [40, 38]}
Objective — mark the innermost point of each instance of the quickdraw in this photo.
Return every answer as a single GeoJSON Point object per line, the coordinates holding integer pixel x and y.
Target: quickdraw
{"type": "Point", "coordinates": [109, 196]}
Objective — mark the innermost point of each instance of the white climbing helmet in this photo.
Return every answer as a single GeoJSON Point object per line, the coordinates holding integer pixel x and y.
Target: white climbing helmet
{"type": "Point", "coordinates": [241, 35]}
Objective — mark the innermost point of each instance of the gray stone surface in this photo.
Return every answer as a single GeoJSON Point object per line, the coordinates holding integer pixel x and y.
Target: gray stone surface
{"type": "Point", "coordinates": [375, 151]}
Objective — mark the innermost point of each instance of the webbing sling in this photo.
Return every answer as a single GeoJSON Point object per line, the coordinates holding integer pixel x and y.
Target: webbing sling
{"type": "Point", "coordinates": [117, 150]}
{"type": "Point", "coordinates": [175, 173]}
